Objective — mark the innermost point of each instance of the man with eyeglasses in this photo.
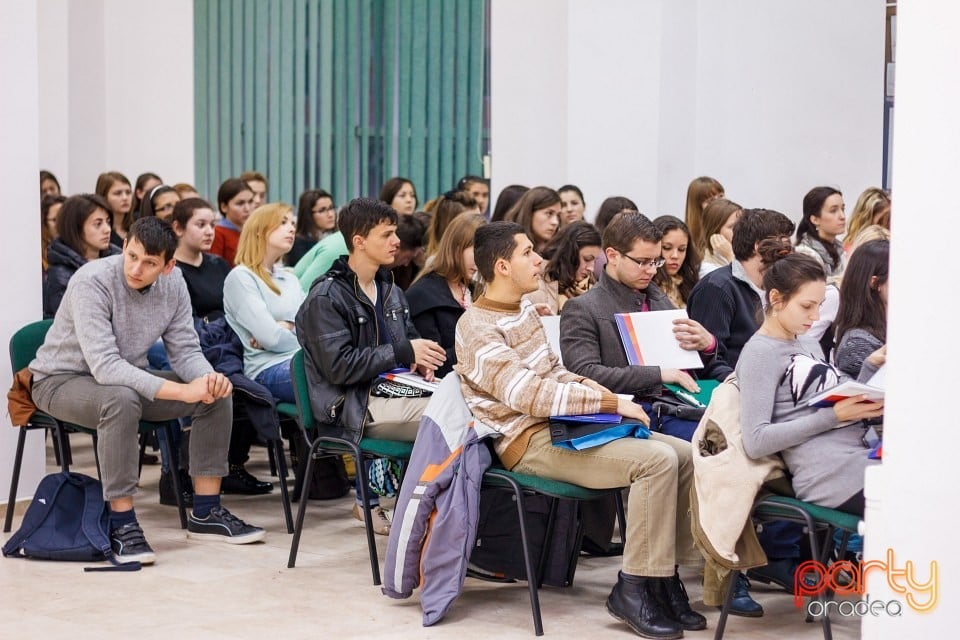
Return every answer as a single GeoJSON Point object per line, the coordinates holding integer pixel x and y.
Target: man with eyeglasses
{"type": "Point", "coordinates": [589, 340]}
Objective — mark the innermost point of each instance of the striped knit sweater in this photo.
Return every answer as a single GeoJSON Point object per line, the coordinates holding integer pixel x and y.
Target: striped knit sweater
{"type": "Point", "coordinates": [511, 379]}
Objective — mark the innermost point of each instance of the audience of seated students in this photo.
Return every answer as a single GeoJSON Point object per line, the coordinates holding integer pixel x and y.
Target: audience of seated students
{"type": "Point", "coordinates": [90, 371]}
{"type": "Point", "coordinates": [186, 191]}
{"type": "Point", "coordinates": [568, 271]}
{"type": "Point", "coordinates": [512, 382]}
{"type": "Point", "coordinates": [442, 291]}
{"type": "Point", "coordinates": [261, 298]}
{"type": "Point", "coordinates": [700, 192]}
{"type": "Point", "coordinates": [144, 184]}
{"type": "Point", "coordinates": [258, 185]}
{"type": "Point", "coordinates": [400, 194]}
{"type": "Point", "coordinates": [681, 269]}
{"type": "Point", "coordinates": [49, 211]}
{"type": "Point", "coordinates": [83, 234]}
{"type": "Point", "coordinates": [861, 324]}
{"type": "Point", "coordinates": [538, 212]}
{"type": "Point", "coordinates": [728, 301]}
{"type": "Point", "coordinates": [205, 275]}
{"type": "Point", "coordinates": [159, 202]}
{"type": "Point", "coordinates": [779, 370]}
{"type": "Point", "coordinates": [818, 232]}
{"type": "Point", "coordinates": [115, 189]}
{"type": "Point", "coordinates": [505, 201]}
{"type": "Point", "coordinates": [235, 199]}
{"type": "Point", "coordinates": [316, 219]}
{"type": "Point", "coordinates": [49, 185]}
{"type": "Point", "coordinates": [589, 339]}
{"type": "Point", "coordinates": [479, 190]}
{"type": "Point", "coordinates": [354, 325]}
{"type": "Point", "coordinates": [609, 208]}
{"type": "Point", "coordinates": [715, 246]}
{"type": "Point", "coordinates": [572, 204]}
{"type": "Point", "coordinates": [447, 207]}
{"type": "Point", "coordinates": [872, 208]}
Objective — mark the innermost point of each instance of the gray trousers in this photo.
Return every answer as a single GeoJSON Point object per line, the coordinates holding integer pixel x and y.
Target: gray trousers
{"type": "Point", "coordinates": [116, 411]}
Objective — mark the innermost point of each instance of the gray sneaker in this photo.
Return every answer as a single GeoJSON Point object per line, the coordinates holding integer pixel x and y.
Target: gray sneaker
{"type": "Point", "coordinates": [220, 524]}
{"type": "Point", "coordinates": [130, 545]}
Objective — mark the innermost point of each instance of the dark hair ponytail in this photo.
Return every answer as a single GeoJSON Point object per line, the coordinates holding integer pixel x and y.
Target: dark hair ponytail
{"type": "Point", "coordinates": [790, 271]}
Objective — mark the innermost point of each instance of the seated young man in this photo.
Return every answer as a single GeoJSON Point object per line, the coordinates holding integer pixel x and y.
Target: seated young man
{"type": "Point", "coordinates": [513, 383]}
{"type": "Point", "coordinates": [91, 371]}
{"type": "Point", "coordinates": [354, 325]}
{"type": "Point", "coordinates": [727, 301]}
{"type": "Point", "coordinates": [589, 340]}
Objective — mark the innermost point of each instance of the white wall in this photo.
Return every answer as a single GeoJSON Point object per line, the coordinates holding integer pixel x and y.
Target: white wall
{"type": "Point", "coordinates": [916, 485]}
{"type": "Point", "coordinates": [20, 244]}
{"type": "Point", "coordinates": [770, 98]}
{"type": "Point", "coordinates": [117, 89]}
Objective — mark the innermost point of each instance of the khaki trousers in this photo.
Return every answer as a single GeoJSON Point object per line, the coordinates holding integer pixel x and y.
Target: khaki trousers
{"type": "Point", "coordinates": [394, 418]}
{"type": "Point", "coordinates": [659, 472]}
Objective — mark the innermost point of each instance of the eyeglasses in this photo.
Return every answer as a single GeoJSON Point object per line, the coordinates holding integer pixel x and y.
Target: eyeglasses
{"type": "Point", "coordinates": [646, 263]}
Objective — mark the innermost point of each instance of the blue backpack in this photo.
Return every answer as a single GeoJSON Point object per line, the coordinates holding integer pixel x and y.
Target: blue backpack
{"type": "Point", "coordinates": [68, 519]}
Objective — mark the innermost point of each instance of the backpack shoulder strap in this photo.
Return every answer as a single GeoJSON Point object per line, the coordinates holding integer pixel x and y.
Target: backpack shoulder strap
{"type": "Point", "coordinates": [93, 507]}
{"type": "Point", "coordinates": [43, 500]}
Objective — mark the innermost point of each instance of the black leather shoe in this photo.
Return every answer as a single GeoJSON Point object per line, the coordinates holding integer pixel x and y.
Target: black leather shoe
{"type": "Point", "coordinates": [636, 604]}
{"type": "Point", "coordinates": [242, 482]}
{"type": "Point", "coordinates": [673, 597]}
{"type": "Point", "coordinates": [590, 548]}
{"type": "Point", "coordinates": [167, 494]}
{"type": "Point", "coordinates": [742, 604]}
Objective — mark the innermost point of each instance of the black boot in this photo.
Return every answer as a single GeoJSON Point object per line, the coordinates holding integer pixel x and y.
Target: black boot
{"type": "Point", "coordinates": [239, 480]}
{"type": "Point", "coordinates": [673, 597]}
{"type": "Point", "coordinates": [634, 602]}
{"type": "Point", "coordinates": [167, 494]}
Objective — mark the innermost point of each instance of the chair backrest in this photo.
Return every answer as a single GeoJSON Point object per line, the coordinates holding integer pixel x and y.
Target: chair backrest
{"type": "Point", "coordinates": [301, 390]}
{"type": "Point", "coordinates": [26, 341]}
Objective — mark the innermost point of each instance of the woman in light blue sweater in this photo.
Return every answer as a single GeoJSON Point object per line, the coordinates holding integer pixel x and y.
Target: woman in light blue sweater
{"type": "Point", "coordinates": [780, 369]}
{"type": "Point", "coordinates": [261, 298]}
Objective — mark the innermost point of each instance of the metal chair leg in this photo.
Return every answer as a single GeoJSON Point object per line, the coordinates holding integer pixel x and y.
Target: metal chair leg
{"type": "Point", "coordinates": [277, 449]}
{"type": "Point", "coordinates": [301, 508]}
{"type": "Point", "coordinates": [725, 610]}
{"type": "Point", "coordinates": [167, 446]}
{"type": "Point", "coordinates": [15, 480]}
{"type": "Point", "coordinates": [363, 484]}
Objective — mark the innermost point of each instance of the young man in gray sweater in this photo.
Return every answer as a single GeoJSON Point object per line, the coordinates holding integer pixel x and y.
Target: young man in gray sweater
{"type": "Point", "coordinates": [91, 371]}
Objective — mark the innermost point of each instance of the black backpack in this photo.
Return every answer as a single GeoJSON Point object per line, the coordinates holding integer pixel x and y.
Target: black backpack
{"type": "Point", "coordinates": [68, 519]}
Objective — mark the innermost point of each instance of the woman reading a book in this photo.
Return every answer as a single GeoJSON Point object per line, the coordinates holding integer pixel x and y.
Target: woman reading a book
{"type": "Point", "coordinates": [861, 324]}
{"type": "Point", "coordinates": [568, 272]}
{"type": "Point", "coordinates": [780, 370]}
{"type": "Point", "coordinates": [681, 267]}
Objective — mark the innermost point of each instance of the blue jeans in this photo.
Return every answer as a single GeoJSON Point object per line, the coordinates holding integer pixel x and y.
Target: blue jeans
{"type": "Point", "coordinates": [670, 425]}
{"type": "Point", "coordinates": [278, 382]}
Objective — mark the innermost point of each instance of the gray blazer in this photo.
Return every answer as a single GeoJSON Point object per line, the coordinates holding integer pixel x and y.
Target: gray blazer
{"type": "Point", "coordinates": [590, 342]}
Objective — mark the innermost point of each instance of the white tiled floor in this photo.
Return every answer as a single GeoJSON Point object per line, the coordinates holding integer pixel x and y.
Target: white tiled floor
{"type": "Point", "coordinates": [213, 590]}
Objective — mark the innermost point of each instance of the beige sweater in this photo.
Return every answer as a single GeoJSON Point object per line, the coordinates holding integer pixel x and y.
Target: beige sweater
{"type": "Point", "coordinates": [511, 379]}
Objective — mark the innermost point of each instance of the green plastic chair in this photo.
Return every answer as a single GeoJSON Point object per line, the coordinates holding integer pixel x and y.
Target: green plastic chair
{"type": "Point", "coordinates": [325, 445]}
{"type": "Point", "coordinates": [521, 484]}
{"type": "Point", "coordinates": [815, 519]}
{"type": "Point", "coordinates": [23, 349]}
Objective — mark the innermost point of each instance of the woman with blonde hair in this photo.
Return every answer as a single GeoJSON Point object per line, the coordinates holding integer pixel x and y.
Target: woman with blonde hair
{"type": "Point", "coordinates": [261, 298]}
{"type": "Point", "coordinates": [872, 208]}
{"type": "Point", "coordinates": [717, 228]}
{"type": "Point", "coordinates": [700, 192]}
{"type": "Point", "coordinates": [441, 293]}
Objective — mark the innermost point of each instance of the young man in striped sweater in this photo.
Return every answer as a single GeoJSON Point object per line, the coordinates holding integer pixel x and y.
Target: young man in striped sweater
{"type": "Point", "coordinates": [513, 382]}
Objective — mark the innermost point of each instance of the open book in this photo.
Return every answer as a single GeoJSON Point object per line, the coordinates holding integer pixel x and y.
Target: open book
{"type": "Point", "coordinates": [843, 391]}
{"type": "Point", "coordinates": [648, 340]}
